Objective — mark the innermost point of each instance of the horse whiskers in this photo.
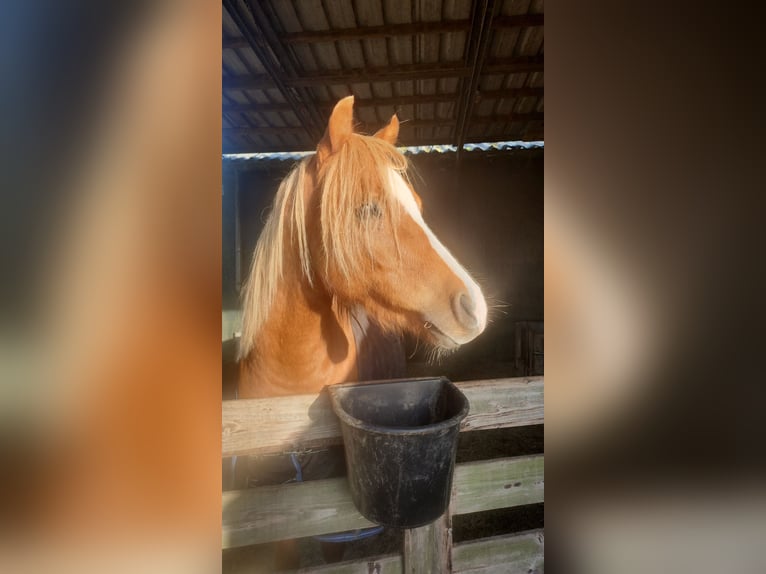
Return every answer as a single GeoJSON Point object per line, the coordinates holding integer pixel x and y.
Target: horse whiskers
{"type": "Point", "coordinates": [494, 307]}
{"type": "Point", "coordinates": [437, 354]}
{"type": "Point", "coordinates": [417, 345]}
{"type": "Point", "coordinates": [494, 303]}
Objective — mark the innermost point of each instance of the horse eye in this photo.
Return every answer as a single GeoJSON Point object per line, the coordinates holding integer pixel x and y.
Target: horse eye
{"type": "Point", "coordinates": [367, 210]}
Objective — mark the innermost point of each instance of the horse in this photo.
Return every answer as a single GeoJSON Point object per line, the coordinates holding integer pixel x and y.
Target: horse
{"type": "Point", "coordinates": [346, 243]}
{"type": "Point", "coordinates": [345, 265]}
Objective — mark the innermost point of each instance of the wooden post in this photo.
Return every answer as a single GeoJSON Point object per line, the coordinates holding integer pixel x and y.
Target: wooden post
{"type": "Point", "coordinates": [428, 549]}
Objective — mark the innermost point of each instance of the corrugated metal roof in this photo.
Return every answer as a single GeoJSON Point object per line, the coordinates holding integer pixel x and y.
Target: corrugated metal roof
{"type": "Point", "coordinates": [414, 150]}
{"type": "Point", "coordinates": [454, 71]}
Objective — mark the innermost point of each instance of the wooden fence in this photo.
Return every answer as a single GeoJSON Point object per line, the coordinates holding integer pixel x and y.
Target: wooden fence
{"type": "Point", "coordinates": [271, 513]}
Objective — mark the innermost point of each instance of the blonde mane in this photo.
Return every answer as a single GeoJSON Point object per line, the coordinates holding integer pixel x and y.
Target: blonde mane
{"type": "Point", "coordinates": [354, 177]}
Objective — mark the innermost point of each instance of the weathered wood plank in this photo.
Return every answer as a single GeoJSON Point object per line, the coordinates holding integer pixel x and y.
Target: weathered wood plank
{"type": "Point", "coordinates": [255, 426]}
{"type": "Point", "coordinates": [270, 513]}
{"type": "Point", "coordinates": [428, 549]}
{"type": "Point", "coordinates": [503, 403]}
{"type": "Point", "coordinates": [498, 483]}
{"type": "Point", "coordinates": [515, 554]}
{"type": "Point", "coordinates": [520, 553]}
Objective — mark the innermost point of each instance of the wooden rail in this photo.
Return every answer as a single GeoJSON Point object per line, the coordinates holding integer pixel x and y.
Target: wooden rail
{"type": "Point", "coordinates": [273, 513]}
{"type": "Point", "coordinates": [520, 553]}
{"type": "Point", "coordinates": [258, 426]}
{"type": "Point", "coordinates": [270, 513]}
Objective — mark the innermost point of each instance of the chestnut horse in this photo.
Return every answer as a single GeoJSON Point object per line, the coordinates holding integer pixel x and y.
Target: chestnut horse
{"type": "Point", "coordinates": [346, 246]}
{"type": "Point", "coordinates": [344, 265]}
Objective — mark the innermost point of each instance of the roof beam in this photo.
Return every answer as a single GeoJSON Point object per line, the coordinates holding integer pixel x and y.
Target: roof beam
{"type": "Point", "coordinates": [263, 130]}
{"type": "Point", "coordinates": [255, 37]}
{"type": "Point", "coordinates": [354, 75]}
{"type": "Point", "coordinates": [385, 74]}
{"type": "Point", "coordinates": [264, 13]}
{"type": "Point", "coordinates": [385, 31]}
{"type": "Point", "coordinates": [517, 21]}
{"type": "Point", "coordinates": [267, 22]}
{"type": "Point", "coordinates": [534, 92]}
{"type": "Point", "coordinates": [256, 107]}
{"type": "Point", "coordinates": [512, 65]}
{"type": "Point", "coordinates": [409, 142]}
{"type": "Point", "coordinates": [391, 30]}
{"type": "Point", "coordinates": [404, 125]}
{"type": "Point", "coordinates": [248, 82]}
{"type": "Point", "coordinates": [483, 16]}
{"type": "Point", "coordinates": [495, 119]}
{"type": "Point", "coordinates": [234, 43]}
{"type": "Point", "coordinates": [358, 103]}
{"type": "Point", "coordinates": [508, 118]}
{"type": "Point", "coordinates": [393, 102]}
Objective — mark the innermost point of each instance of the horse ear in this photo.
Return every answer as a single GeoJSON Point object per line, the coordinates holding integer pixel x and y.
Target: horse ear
{"type": "Point", "coordinates": [390, 132]}
{"type": "Point", "coordinates": [339, 128]}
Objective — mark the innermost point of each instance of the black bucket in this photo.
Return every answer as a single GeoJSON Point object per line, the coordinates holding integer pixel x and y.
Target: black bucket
{"type": "Point", "coordinates": [400, 438]}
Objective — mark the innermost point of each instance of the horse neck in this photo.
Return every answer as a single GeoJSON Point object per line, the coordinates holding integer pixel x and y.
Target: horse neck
{"type": "Point", "coordinates": [304, 344]}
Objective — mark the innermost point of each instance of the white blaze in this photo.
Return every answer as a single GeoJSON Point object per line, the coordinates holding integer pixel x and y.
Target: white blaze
{"type": "Point", "coordinates": [403, 193]}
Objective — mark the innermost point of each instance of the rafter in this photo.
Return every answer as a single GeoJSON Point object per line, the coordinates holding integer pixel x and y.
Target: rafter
{"type": "Point", "coordinates": [263, 130]}
{"type": "Point", "coordinates": [481, 120]}
{"type": "Point", "coordinates": [385, 31]}
{"type": "Point", "coordinates": [386, 74]}
{"type": "Point", "coordinates": [483, 16]}
{"type": "Point", "coordinates": [263, 13]}
{"type": "Point", "coordinates": [517, 21]}
{"type": "Point", "coordinates": [405, 125]}
{"type": "Point", "coordinates": [392, 30]}
{"type": "Point", "coordinates": [392, 102]}
{"type": "Point", "coordinates": [262, 32]}
{"type": "Point", "coordinates": [255, 38]}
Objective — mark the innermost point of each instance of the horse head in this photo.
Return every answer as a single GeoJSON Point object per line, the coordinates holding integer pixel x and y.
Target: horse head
{"type": "Point", "coordinates": [370, 246]}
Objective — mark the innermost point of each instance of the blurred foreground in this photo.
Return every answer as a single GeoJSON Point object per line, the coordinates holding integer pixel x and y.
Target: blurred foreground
{"type": "Point", "coordinates": [110, 306]}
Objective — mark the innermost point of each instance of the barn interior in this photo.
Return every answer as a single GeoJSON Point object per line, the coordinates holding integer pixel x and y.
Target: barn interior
{"type": "Point", "coordinates": [465, 78]}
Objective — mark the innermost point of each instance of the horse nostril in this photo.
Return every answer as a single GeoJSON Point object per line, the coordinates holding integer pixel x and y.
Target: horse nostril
{"type": "Point", "coordinates": [466, 310]}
